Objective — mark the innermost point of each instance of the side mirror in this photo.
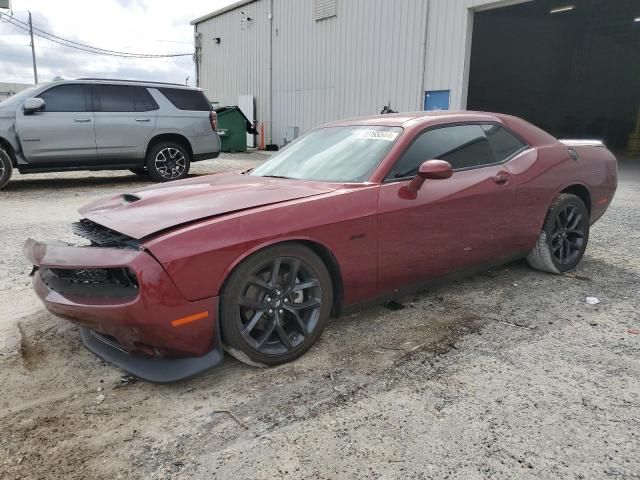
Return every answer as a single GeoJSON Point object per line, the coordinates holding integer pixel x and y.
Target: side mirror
{"type": "Point", "coordinates": [32, 105]}
{"type": "Point", "coordinates": [430, 170]}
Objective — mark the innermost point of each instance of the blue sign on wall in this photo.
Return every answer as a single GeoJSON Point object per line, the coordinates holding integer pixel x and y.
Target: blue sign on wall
{"type": "Point", "coordinates": [437, 100]}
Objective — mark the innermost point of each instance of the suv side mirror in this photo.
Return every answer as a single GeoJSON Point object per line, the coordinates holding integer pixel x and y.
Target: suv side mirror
{"type": "Point", "coordinates": [32, 105]}
{"type": "Point", "coordinates": [430, 170]}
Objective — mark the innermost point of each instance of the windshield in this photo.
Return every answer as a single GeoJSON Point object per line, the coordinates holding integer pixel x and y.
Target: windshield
{"type": "Point", "coordinates": [332, 154]}
{"type": "Point", "coordinates": [18, 98]}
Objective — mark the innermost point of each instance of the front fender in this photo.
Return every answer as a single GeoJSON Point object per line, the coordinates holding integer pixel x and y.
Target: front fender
{"type": "Point", "coordinates": [199, 257]}
{"type": "Point", "coordinates": [9, 137]}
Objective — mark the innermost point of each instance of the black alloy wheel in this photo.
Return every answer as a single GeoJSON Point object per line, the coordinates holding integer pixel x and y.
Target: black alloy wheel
{"type": "Point", "coordinates": [564, 236]}
{"type": "Point", "coordinates": [569, 234]}
{"type": "Point", "coordinates": [276, 304]}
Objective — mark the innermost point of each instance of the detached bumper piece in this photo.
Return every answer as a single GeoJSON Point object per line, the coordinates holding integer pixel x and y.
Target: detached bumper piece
{"type": "Point", "coordinates": [156, 370]}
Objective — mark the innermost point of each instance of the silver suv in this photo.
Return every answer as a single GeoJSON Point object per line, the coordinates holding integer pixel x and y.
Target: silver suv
{"type": "Point", "coordinates": [154, 129]}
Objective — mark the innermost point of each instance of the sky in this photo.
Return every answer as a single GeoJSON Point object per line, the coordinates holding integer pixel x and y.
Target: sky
{"type": "Point", "coordinates": [140, 26]}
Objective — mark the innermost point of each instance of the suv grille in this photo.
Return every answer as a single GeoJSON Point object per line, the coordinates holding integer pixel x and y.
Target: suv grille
{"type": "Point", "coordinates": [102, 236]}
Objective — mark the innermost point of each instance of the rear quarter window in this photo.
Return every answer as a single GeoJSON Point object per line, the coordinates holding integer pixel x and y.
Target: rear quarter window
{"type": "Point", "coordinates": [503, 143]}
{"type": "Point", "coordinates": [187, 99]}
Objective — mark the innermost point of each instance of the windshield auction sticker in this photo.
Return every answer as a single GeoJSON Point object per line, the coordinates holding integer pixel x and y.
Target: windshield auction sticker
{"type": "Point", "coordinates": [386, 135]}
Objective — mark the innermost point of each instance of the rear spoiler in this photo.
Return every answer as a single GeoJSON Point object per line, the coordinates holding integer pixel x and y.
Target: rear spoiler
{"type": "Point", "coordinates": [581, 143]}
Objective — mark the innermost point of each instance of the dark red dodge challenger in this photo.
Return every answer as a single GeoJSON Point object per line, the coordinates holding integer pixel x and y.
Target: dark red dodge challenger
{"type": "Point", "coordinates": [352, 213]}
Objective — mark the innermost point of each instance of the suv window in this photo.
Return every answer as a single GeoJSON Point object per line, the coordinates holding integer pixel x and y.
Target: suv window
{"type": "Point", "coordinates": [143, 100]}
{"type": "Point", "coordinates": [65, 98]}
{"type": "Point", "coordinates": [503, 142]}
{"type": "Point", "coordinates": [187, 99]}
{"type": "Point", "coordinates": [122, 98]}
{"type": "Point", "coordinates": [463, 146]}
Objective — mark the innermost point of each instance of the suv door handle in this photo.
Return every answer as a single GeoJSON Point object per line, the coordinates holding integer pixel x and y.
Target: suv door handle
{"type": "Point", "coordinates": [143, 119]}
{"type": "Point", "coordinates": [501, 178]}
{"type": "Point", "coordinates": [81, 120]}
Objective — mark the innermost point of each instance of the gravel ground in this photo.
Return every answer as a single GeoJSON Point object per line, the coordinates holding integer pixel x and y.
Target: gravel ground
{"type": "Point", "coordinates": [507, 374]}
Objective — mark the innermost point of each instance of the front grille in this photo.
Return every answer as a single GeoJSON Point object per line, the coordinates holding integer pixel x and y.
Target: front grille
{"type": "Point", "coordinates": [102, 236]}
{"type": "Point", "coordinates": [91, 282]}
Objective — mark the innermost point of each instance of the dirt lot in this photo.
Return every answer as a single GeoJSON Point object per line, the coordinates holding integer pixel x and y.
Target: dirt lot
{"type": "Point", "coordinates": [508, 374]}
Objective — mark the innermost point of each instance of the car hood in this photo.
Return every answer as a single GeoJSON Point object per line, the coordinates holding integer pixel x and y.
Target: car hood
{"type": "Point", "coordinates": [152, 210]}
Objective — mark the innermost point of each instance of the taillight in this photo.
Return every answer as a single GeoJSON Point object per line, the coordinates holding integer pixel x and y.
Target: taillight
{"type": "Point", "coordinates": [213, 119]}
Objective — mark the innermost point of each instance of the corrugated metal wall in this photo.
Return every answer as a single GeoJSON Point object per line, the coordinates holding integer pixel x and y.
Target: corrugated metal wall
{"type": "Point", "coordinates": [370, 53]}
{"type": "Point", "coordinates": [239, 64]}
{"type": "Point", "coordinates": [352, 64]}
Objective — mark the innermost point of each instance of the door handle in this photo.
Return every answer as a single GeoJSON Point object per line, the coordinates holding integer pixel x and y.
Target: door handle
{"type": "Point", "coordinates": [501, 178]}
{"type": "Point", "coordinates": [81, 120]}
{"type": "Point", "coordinates": [143, 120]}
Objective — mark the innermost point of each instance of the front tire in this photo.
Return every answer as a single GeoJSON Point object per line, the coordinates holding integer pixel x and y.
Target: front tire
{"type": "Point", "coordinates": [6, 169]}
{"type": "Point", "coordinates": [564, 236]}
{"type": "Point", "coordinates": [168, 161]}
{"type": "Point", "coordinates": [276, 304]}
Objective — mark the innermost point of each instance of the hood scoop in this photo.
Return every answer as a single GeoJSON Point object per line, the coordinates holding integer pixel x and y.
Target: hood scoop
{"type": "Point", "coordinates": [129, 198]}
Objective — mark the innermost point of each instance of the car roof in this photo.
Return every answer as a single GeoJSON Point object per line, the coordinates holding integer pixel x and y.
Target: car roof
{"type": "Point", "coordinates": [116, 81]}
{"type": "Point", "coordinates": [404, 119]}
{"type": "Point", "coordinates": [419, 120]}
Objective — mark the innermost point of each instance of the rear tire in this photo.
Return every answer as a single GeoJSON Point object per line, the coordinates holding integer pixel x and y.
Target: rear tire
{"type": "Point", "coordinates": [6, 169]}
{"type": "Point", "coordinates": [168, 161]}
{"type": "Point", "coordinates": [564, 236]}
{"type": "Point", "coordinates": [274, 318]}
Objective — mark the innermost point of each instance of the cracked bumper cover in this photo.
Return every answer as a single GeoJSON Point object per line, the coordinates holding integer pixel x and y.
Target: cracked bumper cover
{"type": "Point", "coordinates": [134, 332]}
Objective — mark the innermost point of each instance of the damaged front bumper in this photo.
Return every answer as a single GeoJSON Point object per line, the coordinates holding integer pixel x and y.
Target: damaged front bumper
{"type": "Point", "coordinates": [129, 310]}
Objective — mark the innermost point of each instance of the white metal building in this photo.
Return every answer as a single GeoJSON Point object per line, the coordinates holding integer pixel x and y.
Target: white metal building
{"type": "Point", "coordinates": [8, 89]}
{"type": "Point", "coordinates": [307, 62]}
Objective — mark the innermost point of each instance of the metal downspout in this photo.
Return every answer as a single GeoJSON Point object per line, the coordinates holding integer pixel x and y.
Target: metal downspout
{"type": "Point", "coordinates": [270, 72]}
{"type": "Point", "coordinates": [424, 57]}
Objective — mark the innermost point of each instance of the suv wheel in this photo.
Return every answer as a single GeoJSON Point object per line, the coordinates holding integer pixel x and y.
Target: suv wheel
{"type": "Point", "coordinates": [5, 168]}
{"type": "Point", "coordinates": [168, 161]}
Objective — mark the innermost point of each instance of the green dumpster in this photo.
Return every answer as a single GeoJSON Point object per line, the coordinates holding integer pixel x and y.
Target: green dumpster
{"type": "Point", "coordinates": [232, 129]}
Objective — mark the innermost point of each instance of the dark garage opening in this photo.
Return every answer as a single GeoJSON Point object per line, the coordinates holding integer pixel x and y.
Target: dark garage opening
{"type": "Point", "coordinates": [574, 72]}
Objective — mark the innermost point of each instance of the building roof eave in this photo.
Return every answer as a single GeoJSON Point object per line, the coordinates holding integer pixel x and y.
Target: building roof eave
{"type": "Point", "coordinates": [221, 11]}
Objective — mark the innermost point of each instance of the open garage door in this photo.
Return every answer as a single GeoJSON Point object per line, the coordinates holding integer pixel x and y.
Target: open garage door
{"type": "Point", "coordinates": [572, 68]}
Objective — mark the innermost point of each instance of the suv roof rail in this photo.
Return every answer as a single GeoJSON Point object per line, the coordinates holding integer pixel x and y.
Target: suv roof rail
{"type": "Point", "coordinates": [131, 81]}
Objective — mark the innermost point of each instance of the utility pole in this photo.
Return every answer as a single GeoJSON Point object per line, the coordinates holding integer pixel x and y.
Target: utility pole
{"type": "Point", "coordinates": [33, 52]}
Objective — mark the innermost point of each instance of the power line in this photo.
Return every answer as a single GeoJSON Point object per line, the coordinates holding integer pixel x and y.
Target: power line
{"type": "Point", "coordinates": [106, 50]}
{"type": "Point", "coordinates": [83, 46]}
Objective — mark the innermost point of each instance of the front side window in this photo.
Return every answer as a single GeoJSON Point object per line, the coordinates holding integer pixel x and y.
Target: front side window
{"type": "Point", "coordinates": [332, 154]}
{"type": "Point", "coordinates": [65, 98]}
{"type": "Point", "coordinates": [463, 146]}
